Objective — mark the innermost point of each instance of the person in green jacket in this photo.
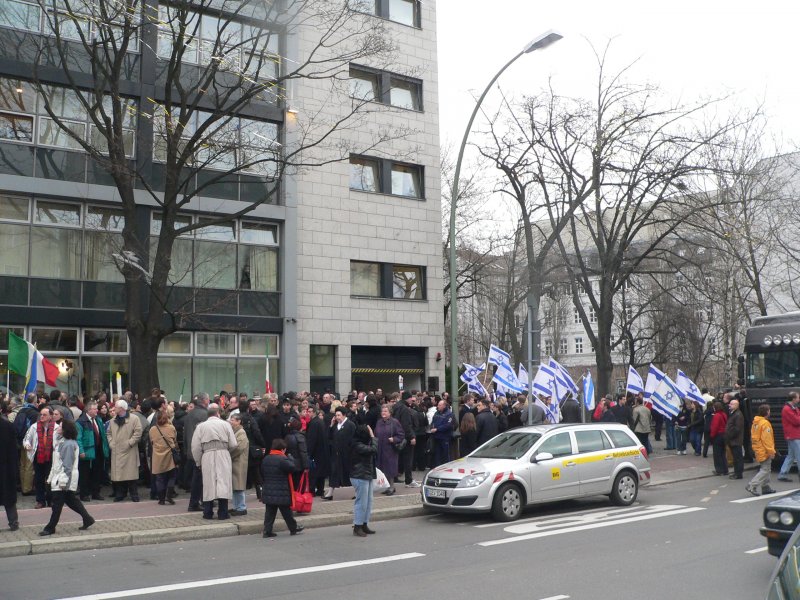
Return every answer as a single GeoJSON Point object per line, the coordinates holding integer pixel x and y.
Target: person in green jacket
{"type": "Point", "coordinates": [93, 445]}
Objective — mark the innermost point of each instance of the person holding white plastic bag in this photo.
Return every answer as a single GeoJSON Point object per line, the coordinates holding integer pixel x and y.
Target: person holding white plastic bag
{"type": "Point", "coordinates": [390, 435]}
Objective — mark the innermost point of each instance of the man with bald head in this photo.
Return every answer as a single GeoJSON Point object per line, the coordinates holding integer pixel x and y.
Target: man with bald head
{"type": "Point", "coordinates": [734, 437]}
{"type": "Point", "coordinates": [212, 442]}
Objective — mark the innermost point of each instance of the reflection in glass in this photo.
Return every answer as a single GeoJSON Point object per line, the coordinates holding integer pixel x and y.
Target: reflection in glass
{"type": "Point", "coordinates": [55, 340]}
{"type": "Point", "coordinates": [13, 249]}
{"type": "Point", "coordinates": [407, 282]}
{"type": "Point", "coordinates": [405, 181]}
{"type": "Point", "coordinates": [404, 94]}
{"type": "Point", "coordinates": [364, 174]}
{"type": "Point", "coordinates": [258, 268]}
{"type": "Point", "coordinates": [216, 343]}
{"type": "Point", "coordinates": [214, 266]}
{"type": "Point", "coordinates": [365, 279]}
{"type": "Point", "coordinates": [58, 253]}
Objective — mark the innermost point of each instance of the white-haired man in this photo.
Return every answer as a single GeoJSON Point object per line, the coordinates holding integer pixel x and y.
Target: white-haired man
{"type": "Point", "coordinates": [212, 442]}
{"type": "Point", "coordinates": [124, 433]}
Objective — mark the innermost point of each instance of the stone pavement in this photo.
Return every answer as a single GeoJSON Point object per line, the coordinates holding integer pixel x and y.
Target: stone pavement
{"type": "Point", "coordinates": [128, 523]}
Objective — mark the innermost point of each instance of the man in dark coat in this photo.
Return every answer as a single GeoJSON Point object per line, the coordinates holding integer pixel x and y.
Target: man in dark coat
{"type": "Point", "coordinates": [570, 411]}
{"type": "Point", "coordinates": [319, 451]}
{"type": "Point", "coordinates": [442, 431]}
{"type": "Point", "coordinates": [276, 495]}
{"type": "Point", "coordinates": [343, 430]}
{"type": "Point", "coordinates": [8, 472]}
{"type": "Point", "coordinates": [486, 424]}
{"type": "Point", "coordinates": [734, 437]}
{"type": "Point", "coordinates": [402, 413]}
{"type": "Point", "coordinates": [196, 416]}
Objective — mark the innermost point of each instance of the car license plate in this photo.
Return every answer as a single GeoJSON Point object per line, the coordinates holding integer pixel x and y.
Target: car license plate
{"type": "Point", "coordinates": [436, 494]}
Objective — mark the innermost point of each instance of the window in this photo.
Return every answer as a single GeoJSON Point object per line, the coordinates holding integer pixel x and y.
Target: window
{"type": "Point", "coordinates": [578, 345]}
{"type": "Point", "coordinates": [20, 15]}
{"type": "Point", "coordinates": [176, 343]}
{"type": "Point", "coordinates": [383, 176]}
{"type": "Point", "coordinates": [55, 340]}
{"type": "Point", "coordinates": [548, 347]}
{"type": "Point", "coordinates": [407, 282]}
{"type": "Point", "coordinates": [562, 346]}
{"type": "Point", "coordinates": [592, 315]}
{"type": "Point", "coordinates": [103, 238]}
{"type": "Point", "coordinates": [372, 85]}
{"type": "Point", "coordinates": [562, 318]}
{"type": "Point", "coordinates": [576, 316]}
{"type": "Point", "coordinates": [217, 344]}
{"type": "Point", "coordinates": [104, 341]}
{"type": "Point", "coordinates": [621, 439]}
{"type": "Point", "coordinates": [557, 445]}
{"type": "Point", "coordinates": [365, 279]}
{"type": "Point", "coordinates": [405, 12]}
{"type": "Point", "coordinates": [383, 280]}
{"type": "Point", "coordinates": [364, 174]}
{"type": "Point", "coordinates": [592, 441]}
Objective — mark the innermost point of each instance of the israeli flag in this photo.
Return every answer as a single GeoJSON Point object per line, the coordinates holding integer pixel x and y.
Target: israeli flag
{"type": "Point", "coordinates": [476, 387]}
{"type": "Point", "coordinates": [498, 357]}
{"type": "Point", "coordinates": [654, 377]}
{"type": "Point", "coordinates": [588, 391]}
{"type": "Point", "coordinates": [688, 388]}
{"type": "Point", "coordinates": [522, 375]}
{"type": "Point", "coordinates": [471, 372]}
{"type": "Point", "coordinates": [635, 383]}
{"type": "Point", "coordinates": [553, 412]}
{"type": "Point", "coordinates": [564, 380]}
{"type": "Point", "coordinates": [667, 398]}
{"type": "Point", "coordinates": [544, 381]}
{"type": "Point", "coordinates": [505, 377]}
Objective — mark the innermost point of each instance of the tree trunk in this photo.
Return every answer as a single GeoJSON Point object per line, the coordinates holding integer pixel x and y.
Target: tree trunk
{"type": "Point", "coordinates": [144, 362]}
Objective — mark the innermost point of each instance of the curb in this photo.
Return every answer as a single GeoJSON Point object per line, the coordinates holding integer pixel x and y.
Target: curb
{"type": "Point", "coordinates": [695, 477]}
{"type": "Point", "coordinates": [180, 534]}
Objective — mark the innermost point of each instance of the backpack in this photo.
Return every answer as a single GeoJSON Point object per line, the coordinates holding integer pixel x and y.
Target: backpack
{"type": "Point", "coordinates": [23, 421]}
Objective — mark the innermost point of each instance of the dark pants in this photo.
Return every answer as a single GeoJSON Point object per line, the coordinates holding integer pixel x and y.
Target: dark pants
{"type": "Point", "coordinates": [406, 460]}
{"type": "Point", "coordinates": [164, 481]}
{"type": "Point", "coordinates": [40, 473]}
{"type": "Point", "coordinates": [11, 513]}
{"type": "Point", "coordinates": [420, 462]}
{"type": "Point", "coordinates": [70, 499]}
{"type": "Point", "coordinates": [644, 440]}
{"type": "Point", "coordinates": [738, 460]}
{"type": "Point", "coordinates": [271, 510]}
{"type": "Point", "coordinates": [441, 452]}
{"type": "Point", "coordinates": [695, 439]}
{"type": "Point", "coordinates": [123, 488]}
{"type": "Point", "coordinates": [222, 510]}
{"type": "Point", "coordinates": [706, 443]}
{"type": "Point", "coordinates": [720, 460]}
{"type": "Point", "coordinates": [90, 477]}
{"type": "Point", "coordinates": [196, 490]}
{"type": "Point", "coordinates": [658, 419]}
{"type": "Point", "coordinates": [317, 483]}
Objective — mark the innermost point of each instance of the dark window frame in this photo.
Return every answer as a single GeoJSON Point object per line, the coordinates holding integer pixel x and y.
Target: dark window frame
{"type": "Point", "coordinates": [382, 11]}
{"type": "Point", "coordinates": [384, 82]}
{"type": "Point", "coordinates": [384, 183]}
{"type": "Point", "coordinates": [386, 283]}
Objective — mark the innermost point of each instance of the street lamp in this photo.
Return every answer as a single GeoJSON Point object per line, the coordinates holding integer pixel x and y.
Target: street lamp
{"type": "Point", "coordinates": [538, 43]}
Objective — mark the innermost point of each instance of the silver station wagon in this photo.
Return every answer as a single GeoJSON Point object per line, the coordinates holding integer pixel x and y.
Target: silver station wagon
{"type": "Point", "coordinates": [542, 463]}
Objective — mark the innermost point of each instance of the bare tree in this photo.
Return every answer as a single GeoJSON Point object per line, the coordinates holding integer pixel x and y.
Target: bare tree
{"type": "Point", "coordinates": [211, 116]}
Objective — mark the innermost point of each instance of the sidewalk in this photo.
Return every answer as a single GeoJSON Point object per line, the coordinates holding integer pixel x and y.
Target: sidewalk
{"type": "Point", "coordinates": [130, 524]}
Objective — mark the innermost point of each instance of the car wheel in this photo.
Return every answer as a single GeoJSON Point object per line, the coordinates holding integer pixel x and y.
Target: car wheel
{"type": "Point", "coordinates": [507, 503]}
{"type": "Point", "coordinates": [625, 490]}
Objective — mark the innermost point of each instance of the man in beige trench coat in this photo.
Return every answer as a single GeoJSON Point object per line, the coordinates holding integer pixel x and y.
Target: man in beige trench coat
{"type": "Point", "coordinates": [211, 445]}
{"type": "Point", "coordinates": [124, 433]}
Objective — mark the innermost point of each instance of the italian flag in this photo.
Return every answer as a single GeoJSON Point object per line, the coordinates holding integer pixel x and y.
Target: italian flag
{"type": "Point", "coordinates": [24, 359]}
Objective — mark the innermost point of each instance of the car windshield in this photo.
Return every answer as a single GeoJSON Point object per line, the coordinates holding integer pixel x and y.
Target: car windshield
{"type": "Point", "coordinates": [507, 445]}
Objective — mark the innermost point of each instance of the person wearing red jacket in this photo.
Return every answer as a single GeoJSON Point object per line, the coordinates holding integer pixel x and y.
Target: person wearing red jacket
{"type": "Point", "coordinates": [790, 418]}
{"type": "Point", "coordinates": [718, 424]}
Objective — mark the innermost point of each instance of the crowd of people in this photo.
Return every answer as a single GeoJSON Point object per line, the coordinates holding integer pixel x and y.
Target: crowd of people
{"type": "Point", "coordinates": [65, 449]}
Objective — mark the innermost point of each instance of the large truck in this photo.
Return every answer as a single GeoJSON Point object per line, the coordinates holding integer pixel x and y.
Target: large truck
{"type": "Point", "coordinates": [770, 367]}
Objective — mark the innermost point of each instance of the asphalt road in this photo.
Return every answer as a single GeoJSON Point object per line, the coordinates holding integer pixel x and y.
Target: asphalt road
{"type": "Point", "coordinates": [685, 540]}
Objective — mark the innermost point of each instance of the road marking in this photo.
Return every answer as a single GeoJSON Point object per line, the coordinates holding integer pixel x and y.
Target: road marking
{"type": "Point", "coordinates": [706, 499]}
{"type": "Point", "coordinates": [757, 550]}
{"type": "Point", "coordinates": [561, 597]}
{"type": "Point", "coordinates": [189, 585]}
{"type": "Point", "coordinates": [566, 516]}
{"type": "Point", "coordinates": [541, 534]}
{"type": "Point", "coordinates": [763, 497]}
{"type": "Point", "coordinates": [606, 515]}
{"type": "Point", "coordinates": [714, 492]}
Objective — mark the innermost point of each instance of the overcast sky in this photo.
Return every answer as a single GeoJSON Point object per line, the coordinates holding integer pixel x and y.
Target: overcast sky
{"type": "Point", "coordinates": [689, 48]}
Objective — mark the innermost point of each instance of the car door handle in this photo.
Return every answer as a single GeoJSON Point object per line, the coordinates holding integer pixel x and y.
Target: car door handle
{"type": "Point", "coordinates": [609, 458]}
{"type": "Point", "coordinates": [569, 464]}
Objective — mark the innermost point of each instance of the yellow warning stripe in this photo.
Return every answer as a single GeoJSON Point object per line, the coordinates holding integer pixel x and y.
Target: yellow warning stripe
{"type": "Point", "coordinates": [588, 458]}
{"type": "Point", "coordinates": [369, 370]}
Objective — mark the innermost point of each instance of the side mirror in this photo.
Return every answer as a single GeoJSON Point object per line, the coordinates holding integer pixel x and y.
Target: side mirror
{"type": "Point", "coordinates": [740, 370]}
{"type": "Point", "coordinates": [541, 456]}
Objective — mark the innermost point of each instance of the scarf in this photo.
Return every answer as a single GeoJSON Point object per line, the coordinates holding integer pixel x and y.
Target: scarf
{"type": "Point", "coordinates": [44, 448]}
{"type": "Point", "coordinates": [120, 421]}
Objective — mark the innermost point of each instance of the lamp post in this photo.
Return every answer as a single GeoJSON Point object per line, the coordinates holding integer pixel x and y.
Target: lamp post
{"type": "Point", "coordinates": [542, 41]}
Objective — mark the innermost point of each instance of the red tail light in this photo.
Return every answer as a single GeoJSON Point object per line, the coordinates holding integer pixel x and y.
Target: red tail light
{"type": "Point", "coordinates": [643, 451]}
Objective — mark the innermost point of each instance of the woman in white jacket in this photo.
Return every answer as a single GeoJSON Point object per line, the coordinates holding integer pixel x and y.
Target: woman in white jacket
{"type": "Point", "coordinates": [63, 479]}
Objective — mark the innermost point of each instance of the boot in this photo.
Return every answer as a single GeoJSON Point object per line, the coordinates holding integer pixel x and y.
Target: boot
{"type": "Point", "coordinates": [258, 491]}
{"type": "Point", "coordinates": [358, 531]}
{"type": "Point", "coordinates": [365, 528]}
{"type": "Point", "coordinates": [170, 495]}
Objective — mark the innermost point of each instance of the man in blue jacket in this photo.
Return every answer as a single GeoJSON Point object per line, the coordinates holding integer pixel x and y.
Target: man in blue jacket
{"type": "Point", "coordinates": [442, 431]}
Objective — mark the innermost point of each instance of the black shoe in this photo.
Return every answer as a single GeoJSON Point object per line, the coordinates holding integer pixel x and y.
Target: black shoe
{"type": "Point", "coordinates": [358, 531]}
{"type": "Point", "coordinates": [45, 532]}
{"type": "Point", "coordinates": [297, 531]}
{"type": "Point", "coordinates": [238, 513]}
{"type": "Point", "coordinates": [223, 517]}
{"type": "Point", "coordinates": [162, 502]}
{"type": "Point", "coordinates": [735, 476]}
{"type": "Point", "coordinates": [13, 526]}
{"type": "Point", "coordinates": [194, 509]}
{"type": "Point", "coordinates": [365, 528]}
{"type": "Point", "coordinates": [208, 517]}
{"type": "Point", "coordinates": [767, 490]}
{"type": "Point", "coordinates": [86, 498]}
{"type": "Point", "coordinates": [390, 492]}
{"type": "Point", "coordinates": [134, 498]}
{"type": "Point", "coordinates": [97, 497]}
{"type": "Point", "coordinates": [118, 499]}
{"type": "Point", "coordinates": [269, 534]}
{"type": "Point", "coordinates": [170, 500]}
{"type": "Point", "coordinates": [87, 524]}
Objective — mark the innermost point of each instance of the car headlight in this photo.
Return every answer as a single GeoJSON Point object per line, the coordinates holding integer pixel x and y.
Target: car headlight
{"type": "Point", "coordinates": [773, 517]}
{"type": "Point", "coordinates": [787, 518]}
{"type": "Point", "coordinates": [473, 480]}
